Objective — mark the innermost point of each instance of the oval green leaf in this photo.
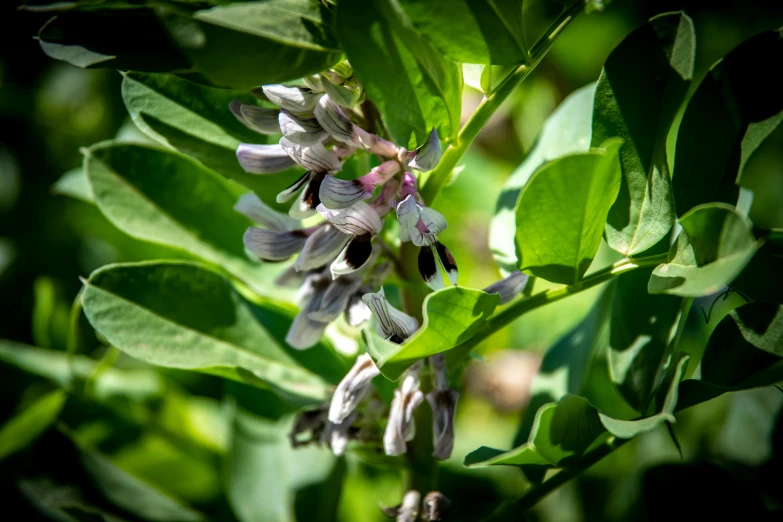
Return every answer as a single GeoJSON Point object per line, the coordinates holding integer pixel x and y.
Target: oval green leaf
{"type": "Point", "coordinates": [713, 247]}
{"type": "Point", "coordinates": [561, 213]}
{"type": "Point", "coordinates": [181, 315]}
{"type": "Point", "coordinates": [643, 212]}
{"type": "Point", "coordinates": [29, 424]}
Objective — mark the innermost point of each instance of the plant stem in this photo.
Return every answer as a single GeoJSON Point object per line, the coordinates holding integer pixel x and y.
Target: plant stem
{"type": "Point", "coordinates": [438, 177]}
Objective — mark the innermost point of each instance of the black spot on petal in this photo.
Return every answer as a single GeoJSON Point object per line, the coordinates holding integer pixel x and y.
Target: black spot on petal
{"type": "Point", "coordinates": [427, 267]}
{"type": "Point", "coordinates": [311, 196]}
{"type": "Point", "coordinates": [358, 251]}
{"type": "Point", "coordinates": [446, 259]}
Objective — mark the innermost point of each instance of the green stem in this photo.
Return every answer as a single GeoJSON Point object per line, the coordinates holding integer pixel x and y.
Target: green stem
{"type": "Point", "coordinates": [438, 177]}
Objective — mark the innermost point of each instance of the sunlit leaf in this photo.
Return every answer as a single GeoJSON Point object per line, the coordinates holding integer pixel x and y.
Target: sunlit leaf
{"type": "Point", "coordinates": [181, 315]}
{"type": "Point", "coordinates": [565, 132]}
{"type": "Point", "coordinates": [561, 213]}
{"type": "Point", "coordinates": [26, 426]}
{"type": "Point", "coordinates": [451, 316]}
{"type": "Point", "coordinates": [713, 247]}
{"type": "Point", "coordinates": [485, 32]}
{"type": "Point", "coordinates": [644, 210]}
{"type": "Point", "coordinates": [398, 69]}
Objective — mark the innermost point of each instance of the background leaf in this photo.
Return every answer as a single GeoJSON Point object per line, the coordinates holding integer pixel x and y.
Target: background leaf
{"type": "Point", "coordinates": [27, 425]}
{"type": "Point", "coordinates": [561, 214]}
{"type": "Point", "coordinates": [643, 212]}
{"type": "Point", "coordinates": [483, 32]}
{"type": "Point", "coordinates": [400, 70]}
{"type": "Point", "coordinates": [196, 120]}
{"type": "Point", "coordinates": [713, 247]}
{"type": "Point", "coordinates": [451, 316]}
{"type": "Point", "coordinates": [180, 315]}
{"type": "Point", "coordinates": [166, 198]}
{"type": "Point", "coordinates": [566, 131]}
{"type": "Point", "coordinates": [716, 134]}
{"type": "Point", "coordinates": [246, 44]}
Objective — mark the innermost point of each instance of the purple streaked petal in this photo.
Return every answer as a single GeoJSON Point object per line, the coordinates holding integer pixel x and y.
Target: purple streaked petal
{"type": "Point", "coordinates": [400, 427]}
{"type": "Point", "coordinates": [259, 119]}
{"type": "Point", "coordinates": [263, 159]}
{"type": "Point", "coordinates": [251, 206]}
{"type": "Point", "coordinates": [314, 158]}
{"type": "Point", "coordinates": [392, 323]}
{"type": "Point", "coordinates": [352, 388]}
{"type": "Point", "coordinates": [334, 121]}
{"type": "Point", "coordinates": [293, 99]}
{"type": "Point", "coordinates": [274, 246]}
{"type": "Point", "coordinates": [443, 403]}
{"type": "Point", "coordinates": [341, 193]}
{"type": "Point", "coordinates": [509, 287]}
{"type": "Point", "coordinates": [358, 219]}
{"type": "Point", "coordinates": [428, 155]}
{"type": "Point", "coordinates": [321, 248]}
{"type": "Point", "coordinates": [303, 131]}
{"type": "Point", "coordinates": [292, 189]}
{"type": "Point", "coordinates": [335, 299]}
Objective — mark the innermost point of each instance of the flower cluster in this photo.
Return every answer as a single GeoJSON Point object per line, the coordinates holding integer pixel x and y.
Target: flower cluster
{"type": "Point", "coordinates": [340, 261]}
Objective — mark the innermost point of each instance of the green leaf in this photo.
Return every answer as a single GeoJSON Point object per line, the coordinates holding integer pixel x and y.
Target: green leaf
{"type": "Point", "coordinates": [733, 110]}
{"type": "Point", "coordinates": [181, 315]}
{"type": "Point", "coordinates": [744, 351]}
{"type": "Point", "coordinates": [562, 432]}
{"type": "Point", "coordinates": [483, 31]}
{"type": "Point", "coordinates": [562, 211]}
{"type": "Point", "coordinates": [627, 429]}
{"type": "Point", "coordinates": [123, 39]}
{"type": "Point", "coordinates": [74, 183]}
{"type": "Point", "coordinates": [196, 121]}
{"type": "Point", "coordinates": [60, 368]}
{"type": "Point", "coordinates": [713, 247]}
{"type": "Point", "coordinates": [62, 502]}
{"type": "Point", "coordinates": [415, 88]}
{"type": "Point", "coordinates": [643, 212]}
{"type": "Point", "coordinates": [762, 277]}
{"type": "Point", "coordinates": [165, 198]}
{"type": "Point", "coordinates": [131, 493]}
{"type": "Point", "coordinates": [246, 44]}
{"type": "Point", "coordinates": [451, 316]}
{"type": "Point", "coordinates": [30, 423]}
{"type": "Point", "coordinates": [567, 131]}
{"type": "Point", "coordinates": [641, 326]}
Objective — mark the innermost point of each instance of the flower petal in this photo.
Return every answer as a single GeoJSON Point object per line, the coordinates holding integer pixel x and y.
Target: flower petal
{"type": "Point", "coordinates": [428, 155]}
{"type": "Point", "coordinates": [352, 388]}
{"type": "Point", "coordinates": [263, 159]}
{"type": "Point", "coordinates": [435, 505]}
{"type": "Point", "coordinates": [294, 99]}
{"type": "Point", "coordinates": [392, 322]}
{"type": "Point", "coordinates": [259, 119]}
{"type": "Point", "coordinates": [353, 257]}
{"type": "Point", "coordinates": [292, 189]}
{"type": "Point", "coordinates": [401, 428]}
{"type": "Point", "coordinates": [408, 216]}
{"type": "Point", "coordinates": [358, 219]}
{"type": "Point", "coordinates": [429, 269]}
{"type": "Point", "coordinates": [337, 435]}
{"type": "Point", "coordinates": [408, 511]}
{"type": "Point", "coordinates": [304, 131]}
{"type": "Point", "coordinates": [274, 246]}
{"type": "Point", "coordinates": [508, 287]}
{"type": "Point", "coordinates": [308, 201]}
{"type": "Point", "coordinates": [314, 158]}
{"type": "Point", "coordinates": [447, 262]}
{"type": "Point", "coordinates": [341, 193]}
{"type": "Point", "coordinates": [251, 206]}
{"type": "Point", "coordinates": [321, 248]}
{"type": "Point", "coordinates": [305, 332]}
{"type": "Point", "coordinates": [356, 312]}
{"type": "Point", "coordinates": [335, 299]}
{"type": "Point", "coordinates": [443, 403]}
{"type": "Point", "coordinates": [334, 121]}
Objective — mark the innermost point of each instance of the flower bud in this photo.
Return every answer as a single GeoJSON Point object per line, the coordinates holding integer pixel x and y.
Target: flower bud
{"type": "Point", "coordinates": [263, 159]}
{"type": "Point", "coordinates": [434, 505]}
{"type": "Point", "coordinates": [509, 287]}
{"type": "Point", "coordinates": [443, 403]}
{"type": "Point", "coordinates": [293, 99]}
{"type": "Point", "coordinates": [352, 388]}
{"type": "Point", "coordinates": [409, 509]}
{"type": "Point", "coordinates": [428, 155]}
{"type": "Point", "coordinates": [259, 119]}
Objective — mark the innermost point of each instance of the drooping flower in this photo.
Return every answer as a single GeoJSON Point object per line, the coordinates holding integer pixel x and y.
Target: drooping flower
{"type": "Point", "coordinates": [434, 505]}
{"type": "Point", "coordinates": [419, 224]}
{"type": "Point", "coordinates": [509, 287]}
{"type": "Point", "coordinates": [339, 126]}
{"type": "Point", "coordinates": [408, 510]}
{"type": "Point", "coordinates": [401, 427]}
{"type": "Point", "coordinates": [393, 324]}
{"type": "Point", "coordinates": [292, 99]}
{"type": "Point", "coordinates": [352, 388]}
{"type": "Point", "coordinates": [443, 402]}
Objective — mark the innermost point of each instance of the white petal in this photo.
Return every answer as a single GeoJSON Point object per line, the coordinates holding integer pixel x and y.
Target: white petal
{"type": "Point", "coordinates": [263, 159]}
{"type": "Point", "coordinates": [340, 193]}
{"type": "Point", "coordinates": [251, 206]}
{"type": "Point", "coordinates": [338, 435]}
{"type": "Point", "coordinates": [304, 131]}
{"type": "Point", "coordinates": [429, 268]}
{"type": "Point", "coordinates": [428, 155]}
{"type": "Point", "coordinates": [409, 509]}
{"type": "Point", "coordinates": [334, 121]}
{"type": "Point", "coordinates": [447, 262]}
{"type": "Point", "coordinates": [295, 187]}
{"type": "Point", "coordinates": [443, 404]}
{"type": "Point", "coordinates": [307, 202]}
{"type": "Point", "coordinates": [304, 332]}
{"type": "Point", "coordinates": [321, 248]}
{"type": "Point", "coordinates": [401, 427]}
{"type": "Point", "coordinates": [335, 299]}
{"type": "Point", "coordinates": [352, 388]}
{"type": "Point", "coordinates": [509, 287]}
{"type": "Point", "coordinates": [353, 257]}
{"type": "Point", "coordinates": [392, 322]}
{"type": "Point", "coordinates": [358, 219]}
{"type": "Point", "coordinates": [294, 99]}
{"type": "Point", "coordinates": [356, 312]}
{"type": "Point", "coordinates": [259, 119]}
{"type": "Point", "coordinates": [408, 215]}
{"type": "Point", "coordinates": [273, 246]}
{"type": "Point", "coordinates": [314, 158]}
